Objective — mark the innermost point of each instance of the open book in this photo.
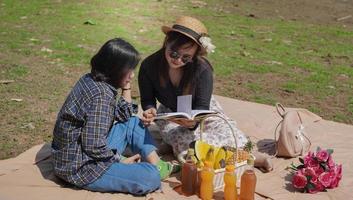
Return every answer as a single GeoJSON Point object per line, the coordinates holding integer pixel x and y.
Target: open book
{"type": "Point", "coordinates": [184, 111]}
{"type": "Point", "coordinates": [192, 115]}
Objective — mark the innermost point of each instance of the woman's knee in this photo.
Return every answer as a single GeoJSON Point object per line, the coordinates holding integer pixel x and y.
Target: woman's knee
{"type": "Point", "coordinates": [150, 180]}
{"type": "Point", "coordinates": [152, 175]}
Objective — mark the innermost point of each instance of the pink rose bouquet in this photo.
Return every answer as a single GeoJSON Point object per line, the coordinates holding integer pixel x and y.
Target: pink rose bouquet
{"type": "Point", "coordinates": [317, 172]}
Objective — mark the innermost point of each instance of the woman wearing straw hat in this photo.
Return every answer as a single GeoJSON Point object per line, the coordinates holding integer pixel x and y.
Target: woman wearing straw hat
{"type": "Point", "coordinates": [180, 68]}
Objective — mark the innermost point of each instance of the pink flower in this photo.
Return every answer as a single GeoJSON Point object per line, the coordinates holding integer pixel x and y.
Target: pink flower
{"type": "Point", "coordinates": [334, 180]}
{"type": "Point", "coordinates": [334, 183]}
{"type": "Point", "coordinates": [313, 163]}
{"type": "Point", "coordinates": [319, 170]}
{"type": "Point", "coordinates": [325, 179]}
{"type": "Point", "coordinates": [310, 161]}
{"type": "Point", "coordinates": [309, 171]}
{"type": "Point", "coordinates": [330, 162]}
{"type": "Point", "coordinates": [308, 158]}
{"type": "Point", "coordinates": [339, 171]}
{"type": "Point", "coordinates": [299, 180]}
{"type": "Point", "coordinates": [336, 176]}
{"type": "Point", "coordinates": [322, 155]}
{"type": "Point", "coordinates": [318, 187]}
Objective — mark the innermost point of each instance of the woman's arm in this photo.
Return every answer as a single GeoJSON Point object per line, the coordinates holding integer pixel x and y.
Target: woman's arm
{"type": "Point", "coordinates": [148, 98]}
{"type": "Point", "coordinates": [203, 90]}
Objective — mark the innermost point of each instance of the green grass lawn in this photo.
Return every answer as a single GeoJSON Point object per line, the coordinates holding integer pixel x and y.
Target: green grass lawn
{"type": "Point", "coordinates": [46, 46]}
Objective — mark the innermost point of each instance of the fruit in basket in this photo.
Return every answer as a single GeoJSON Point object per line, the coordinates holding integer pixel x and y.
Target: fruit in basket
{"type": "Point", "coordinates": [220, 159]}
{"type": "Point", "coordinates": [229, 156]}
{"type": "Point", "coordinates": [210, 156]}
{"type": "Point", "coordinates": [201, 149]}
{"type": "Point", "coordinates": [218, 156]}
{"type": "Point", "coordinates": [242, 155]}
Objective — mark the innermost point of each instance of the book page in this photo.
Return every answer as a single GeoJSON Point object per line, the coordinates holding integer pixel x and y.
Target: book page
{"type": "Point", "coordinates": [184, 104]}
{"type": "Point", "coordinates": [195, 113]}
{"type": "Point", "coordinates": [172, 115]}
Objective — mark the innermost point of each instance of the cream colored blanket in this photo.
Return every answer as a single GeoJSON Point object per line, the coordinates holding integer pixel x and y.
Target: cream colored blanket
{"type": "Point", "coordinates": [30, 175]}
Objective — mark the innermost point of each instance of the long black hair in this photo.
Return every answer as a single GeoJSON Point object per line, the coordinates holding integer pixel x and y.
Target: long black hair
{"type": "Point", "coordinates": [114, 59]}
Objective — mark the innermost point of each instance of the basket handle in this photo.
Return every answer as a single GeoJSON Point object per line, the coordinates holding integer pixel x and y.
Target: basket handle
{"type": "Point", "coordinates": [220, 115]}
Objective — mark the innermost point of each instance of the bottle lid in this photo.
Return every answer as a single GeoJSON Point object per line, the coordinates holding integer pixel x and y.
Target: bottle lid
{"type": "Point", "coordinates": [230, 168]}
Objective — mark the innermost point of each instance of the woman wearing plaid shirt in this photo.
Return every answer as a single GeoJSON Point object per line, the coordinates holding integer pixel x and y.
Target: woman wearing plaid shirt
{"type": "Point", "coordinates": [93, 129]}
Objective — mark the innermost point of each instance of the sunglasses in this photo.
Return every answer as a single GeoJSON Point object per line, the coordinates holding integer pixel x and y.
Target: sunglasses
{"type": "Point", "coordinates": [175, 55]}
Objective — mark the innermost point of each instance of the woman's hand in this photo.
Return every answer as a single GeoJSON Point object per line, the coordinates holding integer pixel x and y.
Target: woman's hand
{"type": "Point", "coordinates": [148, 116]}
{"type": "Point", "coordinates": [133, 159]}
{"type": "Point", "coordinates": [188, 123]}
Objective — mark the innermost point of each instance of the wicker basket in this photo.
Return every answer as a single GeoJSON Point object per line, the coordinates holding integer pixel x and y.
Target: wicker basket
{"type": "Point", "coordinates": [218, 181]}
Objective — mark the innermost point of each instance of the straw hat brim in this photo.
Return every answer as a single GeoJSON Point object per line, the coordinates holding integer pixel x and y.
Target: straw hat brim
{"type": "Point", "coordinates": [167, 29]}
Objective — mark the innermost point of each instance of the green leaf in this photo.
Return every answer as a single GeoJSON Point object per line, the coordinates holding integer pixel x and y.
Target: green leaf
{"type": "Point", "coordinates": [90, 22]}
{"type": "Point", "coordinates": [301, 160]}
{"type": "Point", "coordinates": [249, 145]}
{"type": "Point", "coordinates": [310, 186]}
{"type": "Point", "coordinates": [324, 166]}
{"type": "Point", "coordinates": [300, 167]}
{"type": "Point", "coordinates": [293, 168]}
{"type": "Point", "coordinates": [330, 151]}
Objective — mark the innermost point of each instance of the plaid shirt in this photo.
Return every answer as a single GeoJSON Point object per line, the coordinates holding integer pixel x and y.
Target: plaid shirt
{"type": "Point", "coordinates": [79, 148]}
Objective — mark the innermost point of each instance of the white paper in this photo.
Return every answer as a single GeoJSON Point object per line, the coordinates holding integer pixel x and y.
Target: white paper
{"type": "Point", "coordinates": [184, 103]}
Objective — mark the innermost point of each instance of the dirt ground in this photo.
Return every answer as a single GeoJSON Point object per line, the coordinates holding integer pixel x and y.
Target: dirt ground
{"type": "Point", "coordinates": [324, 12]}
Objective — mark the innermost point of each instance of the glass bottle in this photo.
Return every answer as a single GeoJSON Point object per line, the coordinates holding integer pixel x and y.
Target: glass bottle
{"type": "Point", "coordinates": [230, 180]}
{"type": "Point", "coordinates": [248, 181]}
{"type": "Point", "coordinates": [189, 174]}
{"type": "Point", "coordinates": [206, 186]}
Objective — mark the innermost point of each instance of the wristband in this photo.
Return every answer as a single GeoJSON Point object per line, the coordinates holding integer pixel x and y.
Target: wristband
{"type": "Point", "coordinates": [125, 89]}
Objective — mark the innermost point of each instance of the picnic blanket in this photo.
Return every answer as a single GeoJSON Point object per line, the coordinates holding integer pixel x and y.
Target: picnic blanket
{"type": "Point", "coordinates": [30, 175]}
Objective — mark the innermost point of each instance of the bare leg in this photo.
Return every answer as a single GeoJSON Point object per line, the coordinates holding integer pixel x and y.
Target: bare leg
{"type": "Point", "coordinates": [153, 158]}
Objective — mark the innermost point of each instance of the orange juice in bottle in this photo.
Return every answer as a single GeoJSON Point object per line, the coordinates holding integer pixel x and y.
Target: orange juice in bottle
{"type": "Point", "coordinates": [189, 174]}
{"type": "Point", "coordinates": [230, 180]}
{"type": "Point", "coordinates": [248, 182]}
{"type": "Point", "coordinates": [206, 186]}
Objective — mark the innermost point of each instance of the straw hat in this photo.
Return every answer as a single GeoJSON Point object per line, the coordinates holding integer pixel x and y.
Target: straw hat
{"type": "Point", "coordinates": [193, 29]}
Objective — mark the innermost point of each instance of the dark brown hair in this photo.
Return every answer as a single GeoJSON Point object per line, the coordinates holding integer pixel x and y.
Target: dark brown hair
{"type": "Point", "coordinates": [176, 40]}
{"type": "Point", "coordinates": [114, 59]}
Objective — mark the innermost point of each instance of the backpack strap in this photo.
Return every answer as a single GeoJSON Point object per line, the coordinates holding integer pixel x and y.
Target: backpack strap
{"type": "Point", "coordinates": [280, 109]}
{"type": "Point", "coordinates": [302, 136]}
{"type": "Point", "coordinates": [276, 139]}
